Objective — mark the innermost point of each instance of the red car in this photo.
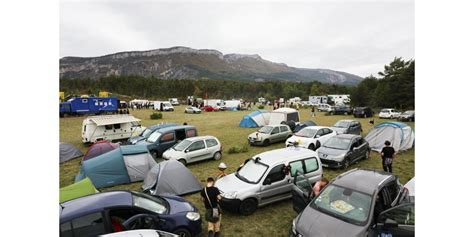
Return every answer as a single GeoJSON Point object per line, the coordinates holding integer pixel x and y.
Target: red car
{"type": "Point", "coordinates": [208, 108]}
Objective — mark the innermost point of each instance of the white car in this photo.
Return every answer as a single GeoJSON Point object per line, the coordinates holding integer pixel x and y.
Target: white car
{"type": "Point", "coordinates": [192, 110]}
{"type": "Point", "coordinates": [311, 137]}
{"type": "Point", "coordinates": [194, 149]}
{"type": "Point", "coordinates": [389, 113]}
{"type": "Point", "coordinates": [324, 107]}
{"type": "Point", "coordinates": [141, 233]}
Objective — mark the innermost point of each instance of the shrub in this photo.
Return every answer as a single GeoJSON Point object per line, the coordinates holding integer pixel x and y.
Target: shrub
{"type": "Point", "coordinates": [261, 107]}
{"type": "Point", "coordinates": [238, 149]}
{"type": "Point", "coordinates": [156, 116]}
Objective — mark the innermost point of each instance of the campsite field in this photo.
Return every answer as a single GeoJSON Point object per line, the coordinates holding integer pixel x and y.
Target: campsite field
{"type": "Point", "coordinates": [272, 220]}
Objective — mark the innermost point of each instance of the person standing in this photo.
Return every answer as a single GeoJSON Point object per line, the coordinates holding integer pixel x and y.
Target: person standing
{"type": "Point", "coordinates": [211, 196]}
{"type": "Point", "coordinates": [312, 111]}
{"type": "Point", "coordinates": [388, 153]}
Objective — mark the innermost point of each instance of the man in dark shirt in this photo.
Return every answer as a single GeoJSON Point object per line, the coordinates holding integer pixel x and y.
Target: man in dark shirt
{"type": "Point", "coordinates": [211, 196]}
{"type": "Point", "coordinates": [388, 153]}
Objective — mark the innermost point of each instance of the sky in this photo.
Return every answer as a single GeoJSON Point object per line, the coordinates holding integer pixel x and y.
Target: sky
{"type": "Point", "coordinates": [357, 37]}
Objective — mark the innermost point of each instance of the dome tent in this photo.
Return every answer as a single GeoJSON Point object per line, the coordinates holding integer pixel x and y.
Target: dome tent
{"type": "Point", "coordinates": [67, 152]}
{"type": "Point", "coordinates": [283, 115]}
{"type": "Point", "coordinates": [400, 135]}
{"type": "Point", "coordinates": [79, 189]}
{"type": "Point", "coordinates": [124, 165]}
{"type": "Point", "coordinates": [255, 119]}
{"type": "Point", "coordinates": [170, 177]}
{"type": "Point", "coordinates": [99, 148]}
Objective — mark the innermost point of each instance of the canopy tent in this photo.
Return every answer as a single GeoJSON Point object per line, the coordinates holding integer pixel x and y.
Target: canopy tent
{"type": "Point", "coordinates": [255, 119]}
{"type": "Point", "coordinates": [124, 165]}
{"type": "Point", "coordinates": [400, 135]}
{"type": "Point", "coordinates": [99, 148]}
{"type": "Point", "coordinates": [283, 115]}
{"type": "Point", "coordinates": [170, 177]}
{"type": "Point", "coordinates": [79, 189]}
{"type": "Point", "coordinates": [67, 152]}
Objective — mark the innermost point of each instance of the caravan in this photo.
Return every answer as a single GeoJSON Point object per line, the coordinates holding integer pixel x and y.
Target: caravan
{"type": "Point", "coordinates": [316, 100]}
{"type": "Point", "coordinates": [163, 106]}
{"type": "Point", "coordinates": [109, 127]}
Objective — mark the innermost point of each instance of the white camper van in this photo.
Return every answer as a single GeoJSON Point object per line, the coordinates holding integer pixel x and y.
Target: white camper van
{"type": "Point", "coordinates": [163, 106]}
{"type": "Point", "coordinates": [316, 100]}
{"type": "Point", "coordinates": [173, 101]}
{"type": "Point", "coordinates": [109, 127]}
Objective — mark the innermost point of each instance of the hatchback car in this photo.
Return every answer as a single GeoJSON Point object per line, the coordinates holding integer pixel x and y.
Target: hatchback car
{"type": "Point", "coordinates": [343, 150]}
{"type": "Point", "coordinates": [407, 116]}
{"type": "Point", "coordinates": [147, 132]}
{"type": "Point", "coordinates": [340, 110]}
{"type": "Point", "coordinates": [116, 211]}
{"type": "Point", "coordinates": [347, 127]}
{"type": "Point", "coordinates": [270, 134]}
{"type": "Point", "coordinates": [311, 137]}
{"type": "Point", "coordinates": [195, 149]}
{"type": "Point", "coordinates": [359, 202]}
{"type": "Point", "coordinates": [389, 113]}
{"type": "Point", "coordinates": [192, 110]}
{"type": "Point", "coordinates": [266, 178]}
{"type": "Point", "coordinates": [363, 112]}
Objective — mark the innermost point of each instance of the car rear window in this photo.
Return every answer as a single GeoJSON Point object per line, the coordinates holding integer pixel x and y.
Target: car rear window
{"type": "Point", "coordinates": [211, 142]}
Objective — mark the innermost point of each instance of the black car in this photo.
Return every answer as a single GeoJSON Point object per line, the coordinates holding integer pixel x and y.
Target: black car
{"type": "Point", "coordinates": [340, 110]}
{"type": "Point", "coordinates": [363, 112]}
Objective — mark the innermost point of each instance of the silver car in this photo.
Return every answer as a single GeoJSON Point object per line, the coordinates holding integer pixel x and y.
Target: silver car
{"type": "Point", "coordinates": [270, 134]}
{"type": "Point", "coordinates": [195, 149]}
{"type": "Point", "coordinates": [262, 179]}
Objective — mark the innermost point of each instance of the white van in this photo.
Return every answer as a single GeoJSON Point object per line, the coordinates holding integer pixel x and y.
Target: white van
{"type": "Point", "coordinates": [163, 106]}
{"type": "Point", "coordinates": [324, 107]}
{"type": "Point", "coordinates": [109, 127]}
{"type": "Point", "coordinates": [173, 101]}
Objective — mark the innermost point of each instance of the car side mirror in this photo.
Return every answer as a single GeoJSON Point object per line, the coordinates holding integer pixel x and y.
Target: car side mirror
{"type": "Point", "coordinates": [186, 151]}
{"type": "Point", "coordinates": [267, 181]}
{"type": "Point", "coordinates": [389, 223]}
{"type": "Point", "coordinates": [318, 136]}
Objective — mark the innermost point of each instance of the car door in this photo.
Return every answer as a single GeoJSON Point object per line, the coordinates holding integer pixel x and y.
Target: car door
{"type": "Point", "coordinates": [301, 192]}
{"type": "Point", "coordinates": [86, 225]}
{"type": "Point", "coordinates": [353, 153]}
{"type": "Point", "coordinates": [196, 151]}
{"type": "Point", "coordinates": [398, 221]}
{"type": "Point", "coordinates": [276, 185]}
{"type": "Point", "coordinates": [283, 133]}
{"type": "Point", "coordinates": [274, 134]}
{"type": "Point", "coordinates": [319, 136]}
{"type": "Point", "coordinates": [166, 141]}
{"type": "Point", "coordinates": [212, 147]}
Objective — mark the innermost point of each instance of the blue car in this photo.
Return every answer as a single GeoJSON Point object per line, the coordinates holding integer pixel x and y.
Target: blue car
{"type": "Point", "coordinates": [116, 211]}
{"type": "Point", "coordinates": [148, 131]}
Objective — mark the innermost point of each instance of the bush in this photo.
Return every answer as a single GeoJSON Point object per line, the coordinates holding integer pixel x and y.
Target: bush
{"type": "Point", "coordinates": [156, 116]}
{"type": "Point", "coordinates": [261, 107]}
{"type": "Point", "coordinates": [238, 149]}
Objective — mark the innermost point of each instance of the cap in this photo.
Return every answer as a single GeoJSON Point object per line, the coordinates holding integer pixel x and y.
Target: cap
{"type": "Point", "coordinates": [222, 165]}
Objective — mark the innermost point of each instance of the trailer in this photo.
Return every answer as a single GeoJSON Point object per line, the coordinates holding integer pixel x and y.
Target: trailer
{"type": "Point", "coordinates": [316, 100]}
{"type": "Point", "coordinates": [110, 127]}
{"type": "Point", "coordinates": [88, 105]}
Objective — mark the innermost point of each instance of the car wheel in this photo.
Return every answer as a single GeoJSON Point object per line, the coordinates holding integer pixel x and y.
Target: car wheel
{"type": "Point", "coordinates": [312, 147]}
{"type": "Point", "coordinates": [182, 232]}
{"type": "Point", "coordinates": [367, 154]}
{"type": "Point", "coordinates": [182, 161]}
{"type": "Point", "coordinates": [266, 142]}
{"type": "Point", "coordinates": [217, 155]}
{"type": "Point", "coordinates": [194, 112]}
{"type": "Point", "coordinates": [391, 116]}
{"type": "Point", "coordinates": [248, 206]}
{"type": "Point", "coordinates": [365, 115]}
{"type": "Point", "coordinates": [154, 154]}
{"type": "Point", "coordinates": [185, 112]}
{"type": "Point", "coordinates": [318, 145]}
{"type": "Point", "coordinates": [345, 164]}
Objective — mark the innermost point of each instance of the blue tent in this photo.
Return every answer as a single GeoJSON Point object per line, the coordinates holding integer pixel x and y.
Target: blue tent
{"type": "Point", "coordinates": [255, 119]}
{"type": "Point", "coordinates": [400, 135]}
{"type": "Point", "coordinates": [120, 166]}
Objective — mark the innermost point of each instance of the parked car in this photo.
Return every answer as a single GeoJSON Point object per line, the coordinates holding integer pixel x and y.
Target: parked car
{"type": "Point", "coordinates": [163, 106]}
{"type": "Point", "coordinates": [148, 131]}
{"type": "Point", "coordinates": [262, 179]}
{"type": "Point", "coordinates": [299, 126]}
{"type": "Point", "coordinates": [343, 150]}
{"type": "Point", "coordinates": [389, 113]}
{"type": "Point", "coordinates": [347, 126]}
{"type": "Point", "coordinates": [115, 211]}
{"type": "Point", "coordinates": [173, 101]}
{"type": "Point", "coordinates": [311, 137]}
{"type": "Point", "coordinates": [363, 112]}
{"type": "Point", "coordinates": [410, 186]}
{"type": "Point", "coordinates": [356, 203]}
{"type": "Point", "coordinates": [270, 134]}
{"type": "Point", "coordinates": [323, 107]}
{"type": "Point", "coordinates": [340, 110]}
{"type": "Point", "coordinates": [141, 233]}
{"type": "Point", "coordinates": [195, 149]}
{"type": "Point", "coordinates": [408, 115]}
{"type": "Point", "coordinates": [192, 110]}
{"type": "Point", "coordinates": [162, 139]}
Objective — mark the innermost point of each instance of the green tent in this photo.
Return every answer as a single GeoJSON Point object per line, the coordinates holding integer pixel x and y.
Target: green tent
{"type": "Point", "coordinates": [79, 189]}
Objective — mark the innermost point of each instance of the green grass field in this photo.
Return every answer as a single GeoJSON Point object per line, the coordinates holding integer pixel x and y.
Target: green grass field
{"type": "Point", "coordinates": [271, 220]}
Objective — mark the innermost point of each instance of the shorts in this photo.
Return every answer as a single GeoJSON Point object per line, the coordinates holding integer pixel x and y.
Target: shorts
{"type": "Point", "coordinates": [216, 227]}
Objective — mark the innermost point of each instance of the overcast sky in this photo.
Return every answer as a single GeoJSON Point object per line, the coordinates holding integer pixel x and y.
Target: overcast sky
{"type": "Point", "coordinates": [358, 37]}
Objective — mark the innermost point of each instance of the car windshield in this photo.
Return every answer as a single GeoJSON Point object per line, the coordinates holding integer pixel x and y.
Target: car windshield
{"type": "Point", "coordinates": [168, 104]}
{"type": "Point", "coordinates": [266, 129]}
{"type": "Point", "coordinates": [182, 145]}
{"type": "Point", "coordinates": [338, 143]}
{"type": "Point", "coordinates": [153, 137]}
{"type": "Point", "coordinates": [344, 203]}
{"type": "Point", "coordinates": [146, 133]}
{"type": "Point", "coordinates": [306, 132]}
{"type": "Point", "coordinates": [153, 204]}
{"type": "Point", "coordinates": [252, 171]}
{"type": "Point", "coordinates": [385, 111]}
{"type": "Point", "coordinates": [342, 124]}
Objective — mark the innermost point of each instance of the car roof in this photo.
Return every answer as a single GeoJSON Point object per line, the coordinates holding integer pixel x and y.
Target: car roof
{"type": "Point", "coordinates": [275, 125]}
{"type": "Point", "coordinates": [347, 136]}
{"type": "Point", "coordinates": [167, 129]}
{"type": "Point", "coordinates": [315, 127]}
{"type": "Point", "coordinates": [363, 180]}
{"type": "Point", "coordinates": [192, 139]}
{"type": "Point", "coordinates": [164, 125]}
{"type": "Point", "coordinates": [284, 154]}
{"type": "Point", "coordinates": [94, 203]}
{"type": "Point", "coordinates": [348, 120]}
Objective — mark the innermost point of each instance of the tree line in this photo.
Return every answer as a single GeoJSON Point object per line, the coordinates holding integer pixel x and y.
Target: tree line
{"type": "Point", "coordinates": [395, 88]}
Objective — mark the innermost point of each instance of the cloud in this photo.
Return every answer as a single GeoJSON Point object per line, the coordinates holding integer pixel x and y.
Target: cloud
{"type": "Point", "coordinates": [356, 37]}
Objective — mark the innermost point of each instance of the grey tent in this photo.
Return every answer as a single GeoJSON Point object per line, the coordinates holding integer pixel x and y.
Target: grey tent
{"type": "Point", "coordinates": [170, 177]}
{"type": "Point", "coordinates": [400, 135]}
{"type": "Point", "coordinates": [67, 152]}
